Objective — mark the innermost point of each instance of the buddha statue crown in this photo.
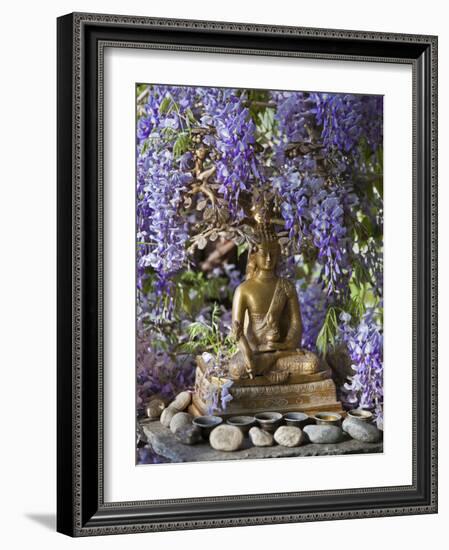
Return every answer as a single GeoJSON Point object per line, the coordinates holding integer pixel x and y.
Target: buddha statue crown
{"type": "Point", "coordinates": [263, 210]}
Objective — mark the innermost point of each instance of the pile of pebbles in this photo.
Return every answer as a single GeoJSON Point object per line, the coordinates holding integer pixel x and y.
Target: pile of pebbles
{"type": "Point", "coordinates": [264, 429]}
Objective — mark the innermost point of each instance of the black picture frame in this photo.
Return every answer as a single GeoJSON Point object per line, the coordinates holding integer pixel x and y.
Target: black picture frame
{"type": "Point", "coordinates": [81, 509]}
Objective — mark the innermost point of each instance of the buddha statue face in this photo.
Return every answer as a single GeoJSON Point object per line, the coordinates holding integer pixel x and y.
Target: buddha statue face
{"type": "Point", "coordinates": [267, 256]}
{"type": "Point", "coordinates": [264, 258]}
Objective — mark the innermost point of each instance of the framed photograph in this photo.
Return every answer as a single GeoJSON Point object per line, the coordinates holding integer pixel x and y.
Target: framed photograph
{"type": "Point", "coordinates": [247, 277]}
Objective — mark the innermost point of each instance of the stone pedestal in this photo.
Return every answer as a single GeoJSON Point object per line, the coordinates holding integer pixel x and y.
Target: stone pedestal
{"type": "Point", "coordinates": [309, 393]}
{"type": "Point", "coordinates": [166, 445]}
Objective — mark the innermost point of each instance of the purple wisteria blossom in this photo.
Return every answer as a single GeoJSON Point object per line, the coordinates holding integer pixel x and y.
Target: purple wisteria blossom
{"type": "Point", "coordinates": [315, 214]}
{"type": "Point", "coordinates": [313, 301]}
{"type": "Point", "coordinates": [365, 347]}
{"type": "Point", "coordinates": [346, 119]}
{"type": "Point", "coordinates": [225, 111]}
{"type": "Point", "coordinates": [314, 207]}
{"type": "Point", "coordinates": [329, 235]}
{"type": "Point", "coordinates": [295, 117]}
{"type": "Point", "coordinates": [162, 231]}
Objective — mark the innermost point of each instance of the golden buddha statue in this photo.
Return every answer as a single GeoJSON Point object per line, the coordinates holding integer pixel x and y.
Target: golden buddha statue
{"type": "Point", "coordinates": [269, 371]}
{"type": "Point", "coordinates": [267, 321]}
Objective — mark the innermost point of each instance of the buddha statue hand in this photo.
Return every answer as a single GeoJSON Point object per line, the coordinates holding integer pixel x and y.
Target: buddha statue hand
{"type": "Point", "coordinates": [241, 366]}
{"type": "Point", "coordinates": [275, 346]}
{"type": "Point", "coordinates": [248, 361]}
{"type": "Point", "coordinates": [250, 372]}
{"type": "Point", "coordinates": [245, 351]}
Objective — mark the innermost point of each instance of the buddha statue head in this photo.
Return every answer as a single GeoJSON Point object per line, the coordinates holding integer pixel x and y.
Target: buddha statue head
{"type": "Point", "coordinates": [264, 257]}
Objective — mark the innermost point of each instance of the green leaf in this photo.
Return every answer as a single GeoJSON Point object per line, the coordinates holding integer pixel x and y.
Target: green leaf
{"type": "Point", "coordinates": [242, 248]}
{"type": "Point", "coordinates": [165, 104]}
{"type": "Point", "coordinates": [379, 185]}
{"type": "Point", "coordinates": [145, 146]}
{"type": "Point", "coordinates": [181, 144]}
{"type": "Point", "coordinates": [140, 88]}
{"type": "Point", "coordinates": [190, 116]}
{"type": "Point", "coordinates": [328, 333]}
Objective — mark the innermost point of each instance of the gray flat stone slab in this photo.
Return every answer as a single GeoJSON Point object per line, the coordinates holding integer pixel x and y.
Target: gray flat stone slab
{"type": "Point", "coordinates": [165, 444]}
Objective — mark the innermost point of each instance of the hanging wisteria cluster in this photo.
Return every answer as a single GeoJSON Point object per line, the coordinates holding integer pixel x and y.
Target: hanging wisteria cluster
{"type": "Point", "coordinates": [201, 154]}
{"type": "Point", "coordinates": [365, 348]}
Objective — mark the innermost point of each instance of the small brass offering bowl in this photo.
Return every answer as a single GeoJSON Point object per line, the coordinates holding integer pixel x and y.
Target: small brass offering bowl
{"type": "Point", "coordinates": [269, 421]}
{"type": "Point", "coordinates": [361, 414]}
{"type": "Point", "coordinates": [297, 419]}
{"type": "Point", "coordinates": [329, 418]}
{"type": "Point", "coordinates": [242, 422]}
{"type": "Point", "coordinates": [207, 424]}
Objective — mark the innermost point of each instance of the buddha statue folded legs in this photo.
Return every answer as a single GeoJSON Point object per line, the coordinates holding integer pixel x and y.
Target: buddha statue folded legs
{"type": "Point", "coordinates": [277, 366]}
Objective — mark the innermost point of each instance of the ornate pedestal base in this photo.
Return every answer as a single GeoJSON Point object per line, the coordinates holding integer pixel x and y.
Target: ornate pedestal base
{"type": "Point", "coordinates": [309, 393]}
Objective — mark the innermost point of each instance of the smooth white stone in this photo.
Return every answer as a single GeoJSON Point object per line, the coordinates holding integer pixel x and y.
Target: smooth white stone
{"type": "Point", "coordinates": [226, 438]}
{"type": "Point", "coordinates": [289, 436]}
